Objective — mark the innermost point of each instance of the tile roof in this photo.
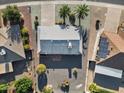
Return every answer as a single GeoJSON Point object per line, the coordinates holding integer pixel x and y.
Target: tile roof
{"type": "Point", "coordinates": [116, 40]}
{"type": "Point", "coordinates": [7, 42]}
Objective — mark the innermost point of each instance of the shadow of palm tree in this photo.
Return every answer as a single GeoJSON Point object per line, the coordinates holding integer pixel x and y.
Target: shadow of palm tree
{"type": "Point", "coordinates": [14, 33]}
{"type": "Point", "coordinates": [42, 81]}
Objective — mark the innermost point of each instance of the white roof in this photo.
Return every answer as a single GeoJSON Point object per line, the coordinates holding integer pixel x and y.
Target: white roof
{"type": "Point", "coordinates": [108, 71]}
{"type": "Point", "coordinates": [57, 32]}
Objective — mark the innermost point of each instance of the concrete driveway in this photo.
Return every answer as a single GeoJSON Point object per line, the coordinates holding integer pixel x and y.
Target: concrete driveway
{"type": "Point", "coordinates": [62, 69]}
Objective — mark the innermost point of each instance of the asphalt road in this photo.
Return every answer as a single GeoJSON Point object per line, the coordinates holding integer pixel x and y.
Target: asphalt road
{"type": "Point", "coordinates": [121, 2]}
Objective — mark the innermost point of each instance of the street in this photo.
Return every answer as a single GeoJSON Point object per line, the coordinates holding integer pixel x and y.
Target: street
{"type": "Point", "coordinates": [121, 2]}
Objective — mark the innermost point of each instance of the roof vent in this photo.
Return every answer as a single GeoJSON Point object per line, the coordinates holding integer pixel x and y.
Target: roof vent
{"type": "Point", "coordinates": [2, 52]}
{"type": "Point", "coordinates": [69, 45]}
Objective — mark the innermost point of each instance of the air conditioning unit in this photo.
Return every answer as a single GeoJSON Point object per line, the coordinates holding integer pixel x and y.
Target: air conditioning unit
{"type": "Point", "coordinates": [69, 45]}
{"type": "Point", "coordinates": [2, 52]}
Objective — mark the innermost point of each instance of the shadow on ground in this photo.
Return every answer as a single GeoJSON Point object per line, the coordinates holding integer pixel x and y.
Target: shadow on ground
{"type": "Point", "coordinates": [42, 81]}
{"type": "Point", "coordinates": [64, 62]}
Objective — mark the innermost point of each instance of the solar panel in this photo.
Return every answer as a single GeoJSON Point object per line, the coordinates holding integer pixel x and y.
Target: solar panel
{"type": "Point", "coordinates": [103, 48]}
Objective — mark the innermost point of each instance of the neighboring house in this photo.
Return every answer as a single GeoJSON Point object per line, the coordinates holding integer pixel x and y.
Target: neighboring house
{"type": "Point", "coordinates": [110, 60]}
{"type": "Point", "coordinates": [11, 48]}
{"type": "Point", "coordinates": [58, 45]}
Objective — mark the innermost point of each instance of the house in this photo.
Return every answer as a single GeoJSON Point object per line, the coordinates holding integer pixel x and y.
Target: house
{"type": "Point", "coordinates": [11, 48]}
{"type": "Point", "coordinates": [59, 46]}
{"type": "Point", "coordinates": [110, 60]}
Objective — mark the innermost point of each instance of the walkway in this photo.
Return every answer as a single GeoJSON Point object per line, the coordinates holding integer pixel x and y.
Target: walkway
{"type": "Point", "coordinates": [112, 19]}
{"type": "Point", "coordinates": [47, 14]}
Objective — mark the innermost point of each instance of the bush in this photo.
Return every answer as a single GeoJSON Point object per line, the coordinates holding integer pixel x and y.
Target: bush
{"type": "Point", "coordinates": [3, 88]}
{"type": "Point", "coordinates": [93, 88]}
{"type": "Point", "coordinates": [23, 85]}
{"type": "Point", "coordinates": [26, 47]}
{"type": "Point", "coordinates": [25, 40]}
{"type": "Point", "coordinates": [96, 89]}
{"type": "Point", "coordinates": [41, 68]}
{"type": "Point", "coordinates": [48, 89]}
{"type": "Point", "coordinates": [75, 72]}
{"type": "Point", "coordinates": [24, 32]}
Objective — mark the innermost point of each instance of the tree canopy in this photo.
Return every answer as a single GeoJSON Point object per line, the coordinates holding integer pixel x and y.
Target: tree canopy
{"type": "Point", "coordinates": [82, 12]}
{"type": "Point", "coordinates": [23, 85]}
{"type": "Point", "coordinates": [12, 14]}
{"type": "Point", "coordinates": [3, 88]}
{"type": "Point", "coordinates": [64, 12]}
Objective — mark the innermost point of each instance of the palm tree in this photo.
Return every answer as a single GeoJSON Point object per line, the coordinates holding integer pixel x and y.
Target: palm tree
{"type": "Point", "coordinates": [64, 12]}
{"type": "Point", "coordinates": [82, 12]}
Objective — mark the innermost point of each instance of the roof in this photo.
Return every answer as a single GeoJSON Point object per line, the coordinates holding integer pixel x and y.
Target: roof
{"type": "Point", "coordinates": [11, 42]}
{"type": "Point", "coordinates": [110, 71]}
{"type": "Point", "coordinates": [116, 61]}
{"type": "Point", "coordinates": [5, 68]}
{"type": "Point", "coordinates": [60, 47]}
{"type": "Point", "coordinates": [57, 32]}
{"type": "Point", "coordinates": [58, 40]}
{"type": "Point", "coordinates": [116, 40]}
{"type": "Point", "coordinates": [3, 36]}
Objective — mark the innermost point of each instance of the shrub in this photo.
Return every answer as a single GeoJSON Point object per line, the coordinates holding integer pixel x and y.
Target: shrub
{"type": "Point", "coordinates": [75, 72]}
{"type": "Point", "coordinates": [26, 47]}
{"type": "Point", "coordinates": [24, 32]}
{"type": "Point", "coordinates": [93, 88]}
{"type": "Point", "coordinates": [41, 68]}
{"type": "Point", "coordinates": [23, 85]}
{"type": "Point", "coordinates": [48, 89]}
{"type": "Point", "coordinates": [96, 89]}
{"type": "Point", "coordinates": [65, 86]}
{"type": "Point", "coordinates": [25, 40]}
{"type": "Point", "coordinates": [3, 88]}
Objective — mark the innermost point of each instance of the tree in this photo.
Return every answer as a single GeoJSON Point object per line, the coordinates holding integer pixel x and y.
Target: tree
{"type": "Point", "coordinates": [36, 23]}
{"type": "Point", "coordinates": [12, 14]}
{"type": "Point", "coordinates": [41, 68]}
{"type": "Point", "coordinates": [3, 88]}
{"type": "Point", "coordinates": [64, 12]}
{"type": "Point", "coordinates": [23, 85]}
{"type": "Point", "coordinates": [82, 12]}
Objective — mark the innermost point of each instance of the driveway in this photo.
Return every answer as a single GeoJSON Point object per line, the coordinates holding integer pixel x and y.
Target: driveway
{"type": "Point", "coordinates": [61, 68]}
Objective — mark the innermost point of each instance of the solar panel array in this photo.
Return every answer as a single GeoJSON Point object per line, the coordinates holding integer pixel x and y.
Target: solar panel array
{"type": "Point", "coordinates": [103, 48]}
